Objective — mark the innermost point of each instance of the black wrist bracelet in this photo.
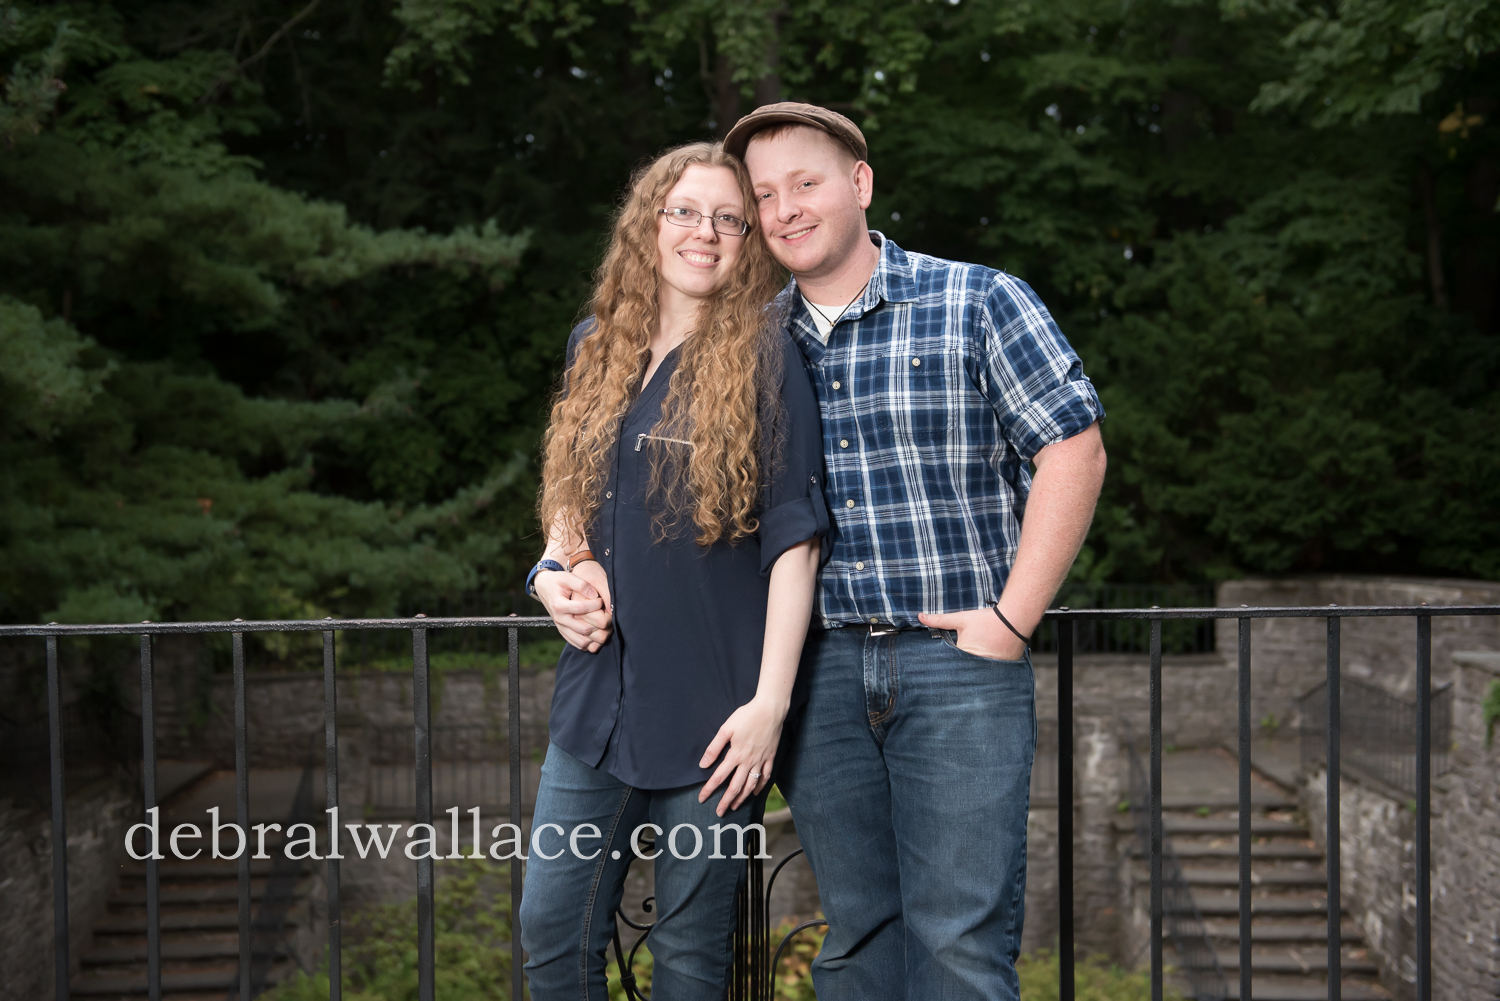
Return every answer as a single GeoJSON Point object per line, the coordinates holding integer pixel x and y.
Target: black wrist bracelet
{"type": "Point", "coordinates": [1024, 639]}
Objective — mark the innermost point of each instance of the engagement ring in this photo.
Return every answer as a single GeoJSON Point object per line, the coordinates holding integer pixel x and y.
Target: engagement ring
{"type": "Point", "coordinates": [755, 775]}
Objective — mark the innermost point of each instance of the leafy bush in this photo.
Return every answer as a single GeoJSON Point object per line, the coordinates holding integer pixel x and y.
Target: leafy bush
{"type": "Point", "coordinates": [1094, 979]}
{"type": "Point", "coordinates": [472, 950]}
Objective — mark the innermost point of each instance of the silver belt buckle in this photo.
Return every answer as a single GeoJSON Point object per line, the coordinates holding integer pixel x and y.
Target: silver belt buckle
{"type": "Point", "coordinates": [886, 629]}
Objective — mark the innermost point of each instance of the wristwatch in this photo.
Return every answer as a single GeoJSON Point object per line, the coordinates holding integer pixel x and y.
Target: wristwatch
{"type": "Point", "coordinates": [541, 565]}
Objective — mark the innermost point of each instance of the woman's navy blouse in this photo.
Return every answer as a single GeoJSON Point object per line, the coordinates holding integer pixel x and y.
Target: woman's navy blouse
{"type": "Point", "coordinates": [689, 621]}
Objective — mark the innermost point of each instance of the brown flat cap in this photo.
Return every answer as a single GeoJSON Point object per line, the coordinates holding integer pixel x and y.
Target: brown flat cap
{"type": "Point", "coordinates": [792, 113]}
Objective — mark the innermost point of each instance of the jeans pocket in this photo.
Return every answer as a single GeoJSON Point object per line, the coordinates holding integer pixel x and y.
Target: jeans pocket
{"type": "Point", "coordinates": [950, 637]}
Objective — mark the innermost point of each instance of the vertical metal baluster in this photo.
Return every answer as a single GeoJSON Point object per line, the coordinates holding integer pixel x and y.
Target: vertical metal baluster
{"type": "Point", "coordinates": [1156, 797]}
{"type": "Point", "coordinates": [62, 963]}
{"type": "Point", "coordinates": [513, 711]}
{"type": "Point", "coordinates": [1065, 635]}
{"type": "Point", "coordinates": [1335, 900]}
{"type": "Point", "coordinates": [148, 782]}
{"type": "Point", "coordinates": [242, 809]}
{"type": "Point", "coordinates": [421, 709]}
{"type": "Point", "coordinates": [1245, 810]}
{"type": "Point", "coordinates": [1424, 808]}
{"type": "Point", "coordinates": [331, 766]}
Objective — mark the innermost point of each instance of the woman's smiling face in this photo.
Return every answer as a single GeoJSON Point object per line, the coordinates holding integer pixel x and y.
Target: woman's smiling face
{"type": "Point", "coordinates": [696, 262]}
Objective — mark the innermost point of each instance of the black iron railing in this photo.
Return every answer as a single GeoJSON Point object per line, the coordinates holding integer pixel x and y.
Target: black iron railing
{"type": "Point", "coordinates": [100, 740]}
{"type": "Point", "coordinates": [469, 768]}
{"type": "Point", "coordinates": [268, 925]}
{"type": "Point", "coordinates": [1379, 731]}
{"type": "Point", "coordinates": [1199, 960]}
{"type": "Point", "coordinates": [1125, 635]}
{"type": "Point", "coordinates": [1067, 620]}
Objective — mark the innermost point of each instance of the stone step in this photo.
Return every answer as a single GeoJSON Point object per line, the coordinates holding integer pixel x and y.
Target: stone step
{"type": "Point", "coordinates": [1264, 877]}
{"type": "Point", "coordinates": [1280, 931]}
{"type": "Point", "coordinates": [1222, 904]}
{"type": "Point", "coordinates": [198, 947]}
{"type": "Point", "coordinates": [204, 919]}
{"type": "Point", "coordinates": [1295, 961]}
{"type": "Point", "coordinates": [206, 893]}
{"type": "Point", "coordinates": [131, 984]}
{"type": "Point", "coordinates": [216, 869]}
{"type": "Point", "coordinates": [1175, 823]}
{"type": "Point", "coordinates": [1260, 800]}
{"type": "Point", "coordinates": [1190, 849]}
{"type": "Point", "coordinates": [1306, 989]}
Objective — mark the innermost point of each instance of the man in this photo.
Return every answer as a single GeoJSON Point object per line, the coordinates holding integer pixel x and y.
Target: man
{"type": "Point", "coordinates": [909, 773]}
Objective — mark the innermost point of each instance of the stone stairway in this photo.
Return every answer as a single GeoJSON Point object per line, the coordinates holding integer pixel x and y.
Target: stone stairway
{"type": "Point", "coordinates": [1289, 905]}
{"type": "Point", "coordinates": [199, 902]}
{"type": "Point", "coordinates": [200, 940]}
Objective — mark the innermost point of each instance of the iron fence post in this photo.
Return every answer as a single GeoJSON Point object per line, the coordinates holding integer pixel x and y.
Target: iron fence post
{"type": "Point", "coordinates": [421, 710]}
{"type": "Point", "coordinates": [1065, 636]}
{"type": "Point", "coordinates": [1156, 805]}
{"type": "Point", "coordinates": [331, 775]}
{"type": "Point", "coordinates": [1246, 811]}
{"type": "Point", "coordinates": [513, 713]}
{"type": "Point", "coordinates": [148, 784]}
{"type": "Point", "coordinates": [242, 812]}
{"type": "Point", "coordinates": [62, 961]}
{"type": "Point", "coordinates": [1424, 808]}
{"type": "Point", "coordinates": [1335, 913]}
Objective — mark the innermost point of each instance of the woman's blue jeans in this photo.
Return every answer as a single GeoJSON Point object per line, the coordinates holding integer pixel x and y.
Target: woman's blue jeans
{"type": "Point", "coordinates": [909, 780]}
{"type": "Point", "coordinates": [569, 900]}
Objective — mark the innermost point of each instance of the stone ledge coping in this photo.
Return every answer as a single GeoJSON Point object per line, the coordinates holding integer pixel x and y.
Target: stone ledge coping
{"type": "Point", "coordinates": [1484, 660]}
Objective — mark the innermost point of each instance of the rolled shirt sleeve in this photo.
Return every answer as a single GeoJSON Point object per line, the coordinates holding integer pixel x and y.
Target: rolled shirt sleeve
{"type": "Point", "coordinates": [1029, 373]}
{"type": "Point", "coordinates": [794, 508]}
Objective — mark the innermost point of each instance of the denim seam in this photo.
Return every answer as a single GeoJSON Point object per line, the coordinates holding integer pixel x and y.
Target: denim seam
{"type": "Point", "coordinates": [890, 700]}
{"type": "Point", "coordinates": [593, 897]}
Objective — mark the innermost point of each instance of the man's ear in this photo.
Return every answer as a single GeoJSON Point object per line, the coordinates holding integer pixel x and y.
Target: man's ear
{"type": "Point", "coordinates": [864, 183]}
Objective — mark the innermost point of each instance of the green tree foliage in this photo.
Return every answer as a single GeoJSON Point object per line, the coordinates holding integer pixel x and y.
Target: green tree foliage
{"type": "Point", "coordinates": [471, 943]}
{"type": "Point", "coordinates": [252, 377]}
{"type": "Point", "coordinates": [168, 464]}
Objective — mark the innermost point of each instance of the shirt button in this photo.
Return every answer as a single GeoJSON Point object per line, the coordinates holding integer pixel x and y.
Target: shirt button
{"type": "Point", "coordinates": [608, 494]}
{"type": "Point", "coordinates": [916, 363]}
{"type": "Point", "coordinates": [849, 503]}
{"type": "Point", "coordinates": [843, 443]}
{"type": "Point", "coordinates": [860, 565]}
{"type": "Point", "coordinates": [606, 552]}
{"type": "Point", "coordinates": [874, 622]}
{"type": "Point", "coordinates": [837, 384]}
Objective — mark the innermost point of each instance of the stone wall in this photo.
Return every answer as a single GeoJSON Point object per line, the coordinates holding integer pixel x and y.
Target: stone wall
{"type": "Point", "coordinates": [1289, 656]}
{"type": "Point", "coordinates": [1111, 699]}
{"type": "Point", "coordinates": [284, 712]}
{"type": "Point", "coordinates": [97, 816]}
{"type": "Point", "coordinates": [1466, 845]}
{"type": "Point", "coordinates": [1377, 838]}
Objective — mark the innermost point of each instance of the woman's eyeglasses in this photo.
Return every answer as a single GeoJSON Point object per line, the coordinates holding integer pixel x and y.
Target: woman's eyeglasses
{"type": "Point", "coordinates": [723, 223]}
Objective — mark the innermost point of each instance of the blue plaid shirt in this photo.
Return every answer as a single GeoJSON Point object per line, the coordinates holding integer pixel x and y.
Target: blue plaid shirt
{"type": "Point", "coordinates": [936, 389]}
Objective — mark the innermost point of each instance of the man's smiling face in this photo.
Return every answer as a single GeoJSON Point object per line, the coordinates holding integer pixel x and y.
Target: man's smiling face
{"type": "Point", "coordinates": [811, 195]}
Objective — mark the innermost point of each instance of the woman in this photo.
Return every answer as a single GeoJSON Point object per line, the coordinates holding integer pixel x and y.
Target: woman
{"type": "Point", "coordinates": [681, 487]}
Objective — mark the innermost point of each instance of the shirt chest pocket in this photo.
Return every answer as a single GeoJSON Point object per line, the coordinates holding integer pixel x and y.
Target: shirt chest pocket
{"type": "Point", "coordinates": [919, 410]}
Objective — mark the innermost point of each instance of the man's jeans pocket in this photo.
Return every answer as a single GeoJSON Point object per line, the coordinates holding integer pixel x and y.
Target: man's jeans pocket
{"type": "Point", "coordinates": [950, 637]}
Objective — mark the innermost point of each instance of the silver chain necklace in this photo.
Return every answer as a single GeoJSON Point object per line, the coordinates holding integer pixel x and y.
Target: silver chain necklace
{"type": "Point", "coordinates": [834, 322]}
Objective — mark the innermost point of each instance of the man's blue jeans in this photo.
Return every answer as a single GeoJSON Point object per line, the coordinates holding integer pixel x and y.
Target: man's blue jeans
{"type": "Point", "coordinates": [568, 904]}
{"type": "Point", "coordinates": [909, 780]}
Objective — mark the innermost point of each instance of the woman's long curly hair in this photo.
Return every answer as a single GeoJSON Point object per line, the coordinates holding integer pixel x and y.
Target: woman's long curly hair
{"type": "Point", "coordinates": [721, 396]}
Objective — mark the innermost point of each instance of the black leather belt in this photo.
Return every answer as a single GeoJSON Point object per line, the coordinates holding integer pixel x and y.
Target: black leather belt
{"type": "Point", "coordinates": [880, 628]}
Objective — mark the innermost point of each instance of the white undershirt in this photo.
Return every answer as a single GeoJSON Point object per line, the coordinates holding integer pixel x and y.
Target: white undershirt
{"type": "Point", "coordinates": [820, 321]}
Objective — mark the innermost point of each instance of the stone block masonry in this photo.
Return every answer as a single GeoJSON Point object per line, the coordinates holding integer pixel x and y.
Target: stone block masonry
{"type": "Point", "coordinates": [1378, 830]}
{"type": "Point", "coordinates": [98, 814]}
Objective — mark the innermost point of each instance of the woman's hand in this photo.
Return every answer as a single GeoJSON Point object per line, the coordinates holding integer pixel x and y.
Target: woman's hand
{"type": "Point", "coordinates": [980, 632]}
{"type": "Point", "coordinates": [751, 733]}
{"type": "Point", "coordinates": [579, 604]}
